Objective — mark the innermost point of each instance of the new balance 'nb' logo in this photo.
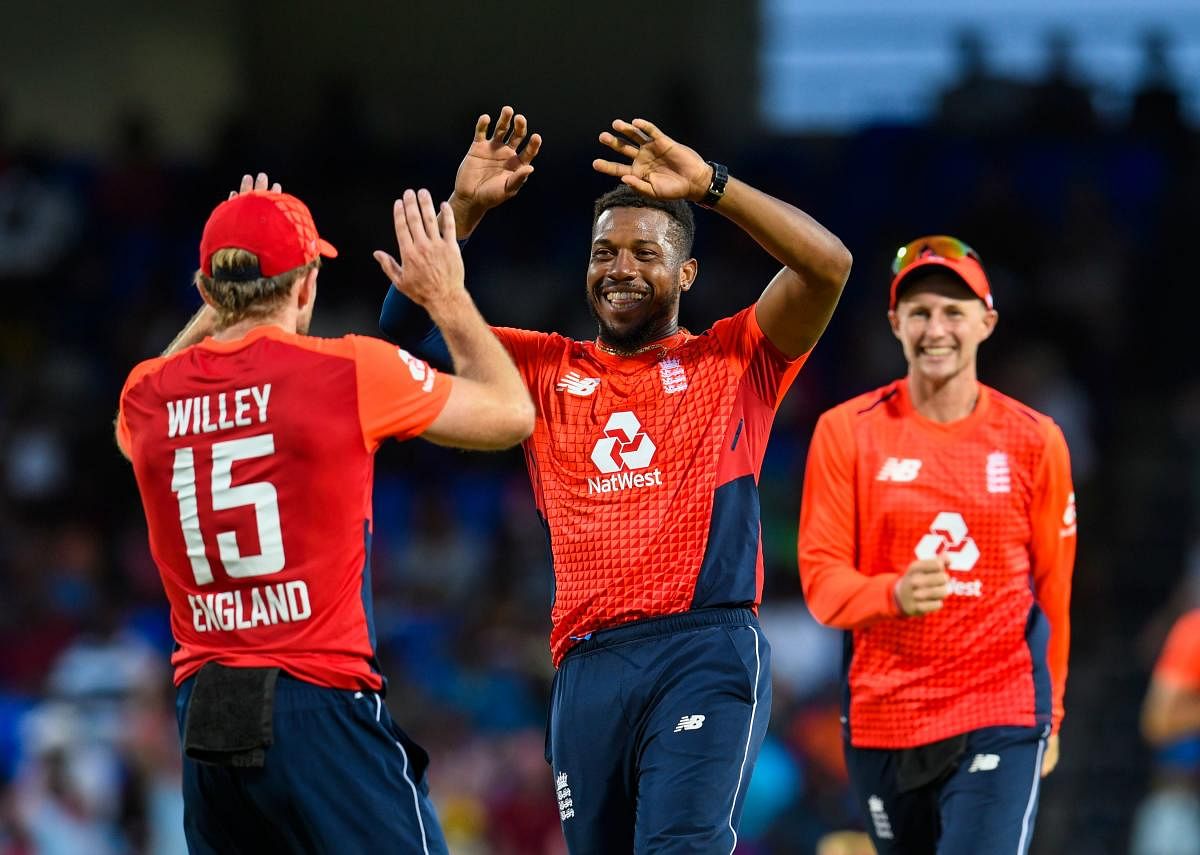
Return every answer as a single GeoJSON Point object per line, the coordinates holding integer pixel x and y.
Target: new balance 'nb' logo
{"type": "Point", "coordinates": [984, 763]}
{"type": "Point", "coordinates": [690, 722]}
{"type": "Point", "coordinates": [573, 383]}
{"type": "Point", "coordinates": [899, 469]}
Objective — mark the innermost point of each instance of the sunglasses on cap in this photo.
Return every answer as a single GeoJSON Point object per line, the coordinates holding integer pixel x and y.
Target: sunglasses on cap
{"type": "Point", "coordinates": [932, 246]}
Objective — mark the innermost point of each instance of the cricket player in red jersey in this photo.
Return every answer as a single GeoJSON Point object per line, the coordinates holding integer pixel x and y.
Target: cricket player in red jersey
{"type": "Point", "coordinates": [1172, 706]}
{"type": "Point", "coordinates": [253, 445]}
{"type": "Point", "coordinates": [644, 462]}
{"type": "Point", "coordinates": [938, 528]}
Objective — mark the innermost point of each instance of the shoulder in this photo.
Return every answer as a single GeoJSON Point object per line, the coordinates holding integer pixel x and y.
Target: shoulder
{"type": "Point", "coordinates": [877, 403]}
{"type": "Point", "coordinates": [146, 368]}
{"type": "Point", "coordinates": [1037, 426]}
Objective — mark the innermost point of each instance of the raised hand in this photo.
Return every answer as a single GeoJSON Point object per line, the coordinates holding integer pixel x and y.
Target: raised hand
{"type": "Point", "coordinates": [496, 167]}
{"type": "Point", "coordinates": [255, 183]}
{"type": "Point", "coordinates": [430, 267]}
{"type": "Point", "coordinates": [660, 167]}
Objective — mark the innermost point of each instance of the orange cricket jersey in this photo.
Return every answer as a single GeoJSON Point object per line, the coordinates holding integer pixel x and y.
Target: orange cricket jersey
{"type": "Point", "coordinates": [1179, 662]}
{"type": "Point", "coordinates": [885, 486]}
{"type": "Point", "coordinates": [645, 470]}
{"type": "Point", "coordinates": [255, 462]}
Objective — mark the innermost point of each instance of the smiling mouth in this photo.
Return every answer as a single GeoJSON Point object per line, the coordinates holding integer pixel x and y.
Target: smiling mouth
{"type": "Point", "coordinates": [623, 300]}
{"type": "Point", "coordinates": [937, 351]}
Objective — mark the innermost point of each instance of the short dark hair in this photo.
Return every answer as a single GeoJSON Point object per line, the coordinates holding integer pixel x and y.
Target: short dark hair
{"type": "Point", "coordinates": [683, 222]}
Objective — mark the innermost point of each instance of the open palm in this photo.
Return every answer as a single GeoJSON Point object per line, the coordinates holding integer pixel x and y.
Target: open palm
{"type": "Point", "coordinates": [659, 167]}
{"type": "Point", "coordinates": [496, 168]}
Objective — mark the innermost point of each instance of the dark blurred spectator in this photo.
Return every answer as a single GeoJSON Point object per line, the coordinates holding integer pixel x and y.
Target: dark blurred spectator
{"type": "Point", "coordinates": [1060, 105]}
{"type": "Point", "coordinates": [979, 100]}
{"type": "Point", "coordinates": [1157, 110]}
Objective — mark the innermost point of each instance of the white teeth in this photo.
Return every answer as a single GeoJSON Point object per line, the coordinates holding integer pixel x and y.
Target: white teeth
{"type": "Point", "coordinates": [622, 296]}
{"type": "Point", "coordinates": [937, 351]}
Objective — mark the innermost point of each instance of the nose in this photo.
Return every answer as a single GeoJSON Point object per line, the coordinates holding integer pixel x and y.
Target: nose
{"type": "Point", "coordinates": [624, 266]}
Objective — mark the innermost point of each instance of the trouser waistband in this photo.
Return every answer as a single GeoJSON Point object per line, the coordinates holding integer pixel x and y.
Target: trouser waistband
{"type": "Point", "coordinates": [665, 625]}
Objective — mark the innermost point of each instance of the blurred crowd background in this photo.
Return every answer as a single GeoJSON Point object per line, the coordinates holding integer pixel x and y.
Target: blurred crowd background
{"type": "Point", "coordinates": [1085, 219]}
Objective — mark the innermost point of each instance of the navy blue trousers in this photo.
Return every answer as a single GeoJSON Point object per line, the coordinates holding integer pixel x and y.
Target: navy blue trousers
{"type": "Point", "coordinates": [986, 805]}
{"type": "Point", "coordinates": [340, 777]}
{"type": "Point", "coordinates": [654, 730]}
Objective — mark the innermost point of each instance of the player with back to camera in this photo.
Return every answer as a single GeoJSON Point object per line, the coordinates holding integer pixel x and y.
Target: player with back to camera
{"type": "Point", "coordinates": [253, 444]}
{"type": "Point", "coordinates": [644, 463]}
{"type": "Point", "coordinates": [937, 527]}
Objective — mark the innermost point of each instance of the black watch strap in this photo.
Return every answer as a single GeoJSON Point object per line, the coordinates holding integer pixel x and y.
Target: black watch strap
{"type": "Point", "coordinates": [716, 190]}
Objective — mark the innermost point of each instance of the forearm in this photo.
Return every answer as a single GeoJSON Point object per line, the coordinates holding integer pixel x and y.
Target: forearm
{"type": "Point", "coordinates": [791, 236]}
{"type": "Point", "coordinates": [200, 327]}
{"type": "Point", "coordinates": [1170, 714]}
{"type": "Point", "coordinates": [839, 596]}
{"type": "Point", "coordinates": [475, 352]}
{"type": "Point", "coordinates": [466, 216]}
{"type": "Point", "coordinates": [406, 324]}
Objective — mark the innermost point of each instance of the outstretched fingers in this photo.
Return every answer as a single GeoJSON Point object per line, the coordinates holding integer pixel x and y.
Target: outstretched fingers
{"type": "Point", "coordinates": [531, 149]}
{"type": "Point", "coordinates": [620, 146]}
{"type": "Point", "coordinates": [481, 127]}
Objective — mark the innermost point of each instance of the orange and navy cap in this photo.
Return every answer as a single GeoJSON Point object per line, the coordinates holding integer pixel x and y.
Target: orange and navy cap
{"type": "Point", "coordinates": [276, 227]}
{"type": "Point", "coordinates": [943, 251]}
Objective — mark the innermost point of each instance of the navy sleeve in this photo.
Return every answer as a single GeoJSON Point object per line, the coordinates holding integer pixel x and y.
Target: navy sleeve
{"type": "Point", "coordinates": [404, 323]}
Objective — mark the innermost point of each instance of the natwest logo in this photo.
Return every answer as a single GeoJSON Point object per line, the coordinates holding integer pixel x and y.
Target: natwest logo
{"type": "Point", "coordinates": [624, 446]}
{"type": "Point", "coordinates": [948, 536]}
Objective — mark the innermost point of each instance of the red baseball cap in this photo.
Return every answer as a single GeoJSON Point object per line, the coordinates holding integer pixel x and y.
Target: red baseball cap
{"type": "Point", "coordinates": [943, 251]}
{"type": "Point", "coordinates": [277, 227]}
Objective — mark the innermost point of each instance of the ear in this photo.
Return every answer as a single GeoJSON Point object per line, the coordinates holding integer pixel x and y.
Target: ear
{"type": "Point", "coordinates": [990, 318]}
{"type": "Point", "coordinates": [306, 291]}
{"type": "Point", "coordinates": [688, 271]}
{"type": "Point", "coordinates": [204, 295]}
{"type": "Point", "coordinates": [894, 322]}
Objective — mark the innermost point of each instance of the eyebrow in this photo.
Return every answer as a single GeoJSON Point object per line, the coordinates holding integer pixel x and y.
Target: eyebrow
{"type": "Point", "coordinates": [639, 242]}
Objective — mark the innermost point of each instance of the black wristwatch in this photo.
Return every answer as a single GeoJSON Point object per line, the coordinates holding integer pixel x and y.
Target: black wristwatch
{"type": "Point", "coordinates": [716, 190]}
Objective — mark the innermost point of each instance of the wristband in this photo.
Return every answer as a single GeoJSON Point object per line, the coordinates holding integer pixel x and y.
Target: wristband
{"type": "Point", "coordinates": [716, 190]}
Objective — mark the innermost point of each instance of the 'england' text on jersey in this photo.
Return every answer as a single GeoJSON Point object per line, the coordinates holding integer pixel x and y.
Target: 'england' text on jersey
{"type": "Point", "coordinates": [232, 409]}
{"type": "Point", "coordinates": [283, 602]}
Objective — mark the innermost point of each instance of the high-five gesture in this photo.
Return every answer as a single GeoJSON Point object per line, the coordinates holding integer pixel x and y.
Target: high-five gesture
{"type": "Point", "coordinates": [660, 168]}
{"type": "Point", "coordinates": [431, 266]}
{"type": "Point", "coordinates": [495, 167]}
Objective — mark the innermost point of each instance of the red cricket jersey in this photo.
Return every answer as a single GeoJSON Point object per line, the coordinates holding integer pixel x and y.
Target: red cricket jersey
{"type": "Point", "coordinates": [885, 486]}
{"type": "Point", "coordinates": [1179, 662]}
{"type": "Point", "coordinates": [645, 470]}
{"type": "Point", "coordinates": [255, 460]}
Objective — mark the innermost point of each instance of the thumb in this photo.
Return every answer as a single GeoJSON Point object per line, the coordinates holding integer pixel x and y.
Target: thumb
{"type": "Point", "coordinates": [518, 178]}
{"type": "Point", "coordinates": [389, 265]}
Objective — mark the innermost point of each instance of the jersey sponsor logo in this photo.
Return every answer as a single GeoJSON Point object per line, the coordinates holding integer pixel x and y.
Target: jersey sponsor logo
{"type": "Point", "coordinates": [623, 450]}
{"type": "Point", "coordinates": [900, 469]}
{"type": "Point", "coordinates": [576, 384]}
{"type": "Point", "coordinates": [690, 722]}
{"type": "Point", "coordinates": [948, 536]}
{"type": "Point", "coordinates": [674, 378]}
{"type": "Point", "coordinates": [879, 818]}
{"type": "Point", "coordinates": [247, 608]}
{"type": "Point", "coordinates": [566, 804]}
{"type": "Point", "coordinates": [1068, 518]}
{"type": "Point", "coordinates": [419, 369]}
{"type": "Point", "coordinates": [999, 477]}
{"type": "Point", "coordinates": [984, 763]}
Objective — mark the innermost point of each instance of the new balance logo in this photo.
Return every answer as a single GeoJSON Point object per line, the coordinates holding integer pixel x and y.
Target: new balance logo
{"type": "Point", "coordinates": [899, 469]}
{"type": "Point", "coordinates": [576, 384]}
{"type": "Point", "coordinates": [690, 722]}
{"type": "Point", "coordinates": [624, 446]}
{"type": "Point", "coordinates": [948, 536]}
{"type": "Point", "coordinates": [984, 763]}
{"type": "Point", "coordinates": [999, 479]}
